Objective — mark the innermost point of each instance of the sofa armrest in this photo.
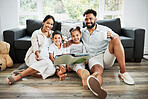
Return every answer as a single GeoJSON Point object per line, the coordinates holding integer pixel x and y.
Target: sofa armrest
{"type": "Point", "coordinates": [138, 34]}
{"type": "Point", "coordinates": [10, 36]}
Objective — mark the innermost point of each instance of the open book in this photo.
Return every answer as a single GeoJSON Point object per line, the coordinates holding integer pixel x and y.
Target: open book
{"type": "Point", "coordinates": [71, 58]}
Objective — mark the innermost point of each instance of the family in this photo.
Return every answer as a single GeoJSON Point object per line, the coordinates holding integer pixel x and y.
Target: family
{"type": "Point", "coordinates": [46, 44]}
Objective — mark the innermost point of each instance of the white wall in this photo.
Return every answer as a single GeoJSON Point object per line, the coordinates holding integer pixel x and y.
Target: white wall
{"type": "Point", "coordinates": [8, 15]}
{"type": "Point", "coordinates": [136, 15]}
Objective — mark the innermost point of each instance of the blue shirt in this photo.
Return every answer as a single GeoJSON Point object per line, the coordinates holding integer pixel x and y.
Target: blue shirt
{"type": "Point", "coordinates": [96, 43]}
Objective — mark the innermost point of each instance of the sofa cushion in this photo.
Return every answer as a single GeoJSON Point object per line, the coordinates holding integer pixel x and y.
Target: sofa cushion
{"type": "Point", "coordinates": [114, 24]}
{"type": "Point", "coordinates": [127, 42]}
{"type": "Point", "coordinates": [33, 25]}
{"type": "Point", "coordinates": [23, 43]}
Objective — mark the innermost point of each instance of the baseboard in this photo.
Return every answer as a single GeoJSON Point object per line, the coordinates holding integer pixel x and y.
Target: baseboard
{"type": "Point", "coordinates": [146, 50]}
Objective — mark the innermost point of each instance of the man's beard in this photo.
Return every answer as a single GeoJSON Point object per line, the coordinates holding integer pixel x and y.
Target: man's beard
{"type": "Point", "coordinates": [90, 27]}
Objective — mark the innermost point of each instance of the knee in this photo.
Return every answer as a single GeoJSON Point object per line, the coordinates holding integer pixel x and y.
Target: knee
{"type": "Point", "coordinates": [97, 68]}
{"type": "Point", "coordinates": [116, 40]}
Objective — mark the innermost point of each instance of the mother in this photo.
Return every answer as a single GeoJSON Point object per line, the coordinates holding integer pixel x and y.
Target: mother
{"type": "Point", "coordinates": [37, 57]}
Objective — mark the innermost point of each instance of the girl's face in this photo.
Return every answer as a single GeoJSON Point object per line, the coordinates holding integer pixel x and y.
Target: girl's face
{"type": "Point", "coordinates": [48, 25]}
{"type": "Point", "coordinates": [57, 39]}
{"type": "Point", "coordinates": [76, 35]}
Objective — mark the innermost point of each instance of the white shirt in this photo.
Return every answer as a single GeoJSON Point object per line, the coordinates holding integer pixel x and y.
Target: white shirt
{"type": "Point", "coordinates": [95, 43]}
{"type": "Point", "coordinates": [55, 51]}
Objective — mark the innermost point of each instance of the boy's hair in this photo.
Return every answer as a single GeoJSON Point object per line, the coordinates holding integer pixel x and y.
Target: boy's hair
{"type": "Point", "coordinates": [75, 29]}
{"type": "Point", "coordinates": [90, 11]}
{"type": "Point", "coordinates": [56, 32]}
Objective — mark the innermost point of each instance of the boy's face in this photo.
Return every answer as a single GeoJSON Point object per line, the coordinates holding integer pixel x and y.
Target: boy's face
{"type": "Point", "coordinates": [57, 39]}
{"type": "Point", "coordinates": [76, 35]}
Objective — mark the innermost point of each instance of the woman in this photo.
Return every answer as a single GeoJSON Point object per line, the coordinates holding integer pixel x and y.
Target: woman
{"type": "Point", "coordinates": [37, 57]}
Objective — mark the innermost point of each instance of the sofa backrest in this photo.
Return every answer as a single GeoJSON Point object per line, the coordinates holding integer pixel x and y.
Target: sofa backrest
{"type": "Point", "coordinates": [32, 25]}
{"type": "Point", "coordinates": [114, 24]}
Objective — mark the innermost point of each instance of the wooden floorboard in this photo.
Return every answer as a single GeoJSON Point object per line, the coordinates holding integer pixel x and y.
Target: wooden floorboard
{"type": "Point", "coordinates": [71, 88]}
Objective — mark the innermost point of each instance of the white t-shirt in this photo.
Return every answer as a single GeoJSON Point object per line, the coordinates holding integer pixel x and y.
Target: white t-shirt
{"type": "Point", "coordinates": [55, 51]}
{"type": "Point", "coordinates": [77, 48]}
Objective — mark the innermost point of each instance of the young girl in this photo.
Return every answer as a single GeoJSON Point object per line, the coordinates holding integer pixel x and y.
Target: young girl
{"type": "Point", "coordinates": [57, 49]}
{"type": "Point", "coordinates": [78, 47]}
{"type": "Point", "coordinates": [37, 57]}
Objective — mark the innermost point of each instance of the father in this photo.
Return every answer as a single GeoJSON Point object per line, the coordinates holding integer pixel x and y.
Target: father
{"type": "Point", "coordinates": [104, 51]}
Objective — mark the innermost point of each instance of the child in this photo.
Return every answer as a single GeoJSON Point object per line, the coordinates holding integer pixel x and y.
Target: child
{"type": "Point", "coordinates": [57, 49]}
{"type": "Point", "coordinates": [78, 47]}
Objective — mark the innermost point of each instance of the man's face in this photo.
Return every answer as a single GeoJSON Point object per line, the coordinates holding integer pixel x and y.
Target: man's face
{"type": "Point", "coordinates": [90, 20]}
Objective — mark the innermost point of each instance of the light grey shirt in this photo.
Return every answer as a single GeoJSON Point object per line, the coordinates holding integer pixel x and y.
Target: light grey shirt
{"type": "Point", "coordinates": [97, 42]}
{"type": "Point", "coordinates": [77, 48]}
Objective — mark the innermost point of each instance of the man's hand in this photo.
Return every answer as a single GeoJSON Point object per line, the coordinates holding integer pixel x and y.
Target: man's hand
{"type": "Point", "coordinates": [109, 35]}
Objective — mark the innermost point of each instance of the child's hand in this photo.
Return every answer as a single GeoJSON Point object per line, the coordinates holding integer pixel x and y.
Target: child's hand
{"type": "Point", "coordinates": [86, 62]}
{"type": "Point", "coordinates": [68, 68]}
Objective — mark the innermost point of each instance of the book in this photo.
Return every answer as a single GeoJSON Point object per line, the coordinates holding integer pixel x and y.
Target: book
{"type": "Point", "coordinates": [71, 58]}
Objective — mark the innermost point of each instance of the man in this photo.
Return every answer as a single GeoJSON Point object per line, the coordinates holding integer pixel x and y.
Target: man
{"type": "Point", "coordinates": [104, 51]}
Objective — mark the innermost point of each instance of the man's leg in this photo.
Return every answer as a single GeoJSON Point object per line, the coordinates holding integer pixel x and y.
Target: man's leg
{"type": "Point", "coordinates": [95, 80]}
{"type": "Point", "coordinates": [97, 71]}
{"type": "Point", "coordinates": [116, 48]}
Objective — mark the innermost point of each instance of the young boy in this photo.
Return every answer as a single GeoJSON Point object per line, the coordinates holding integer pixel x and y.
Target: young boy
{"type": "Point", "coordinates": [57, 49]}
{"type": "Point", "coordinates": [78, 47]}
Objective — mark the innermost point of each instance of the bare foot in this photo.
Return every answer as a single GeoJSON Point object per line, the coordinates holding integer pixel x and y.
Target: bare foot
{"type": "Point", "coordinates": [62, 70]}
{"type": "Point", "coordinates": [62, 76]}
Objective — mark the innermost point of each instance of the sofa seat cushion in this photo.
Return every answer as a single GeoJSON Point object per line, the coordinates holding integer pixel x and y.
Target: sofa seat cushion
{"type": "Point", "coordinates": [23, 43]}
{"type": "Point", "coordinates": [127, 41]}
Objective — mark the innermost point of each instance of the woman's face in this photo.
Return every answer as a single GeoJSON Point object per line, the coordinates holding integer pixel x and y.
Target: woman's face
{"type": "Point", "coordinates": [48, 25]}
{"type": "Point", "coordinates": [76, 35]}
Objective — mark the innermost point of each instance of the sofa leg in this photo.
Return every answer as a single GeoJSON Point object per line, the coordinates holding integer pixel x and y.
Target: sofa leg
{"type": "Point", "coordinates": [137, 60]}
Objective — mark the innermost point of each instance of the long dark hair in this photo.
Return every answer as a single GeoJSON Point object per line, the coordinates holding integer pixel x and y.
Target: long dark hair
{"type": "Point", "coordinates": [49, 17]}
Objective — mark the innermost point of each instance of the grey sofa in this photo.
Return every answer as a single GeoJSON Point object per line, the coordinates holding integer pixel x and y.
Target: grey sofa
{"type": "Point", "coordinates": [131, 38]}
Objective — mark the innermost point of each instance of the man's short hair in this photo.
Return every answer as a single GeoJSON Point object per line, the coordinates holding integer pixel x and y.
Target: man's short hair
{"type": "Point", "coordinates": [90, 11]}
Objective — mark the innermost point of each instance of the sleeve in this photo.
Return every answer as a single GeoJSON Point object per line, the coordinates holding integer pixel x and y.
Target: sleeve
{"type": "Point", "coordinates": [109, 29]}
{"type": "Point", "coordinates": [34, 41]}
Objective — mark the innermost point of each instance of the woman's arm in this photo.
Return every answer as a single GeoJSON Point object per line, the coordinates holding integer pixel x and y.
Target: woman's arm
{"type": "Point", "coordinates": [35, 41]}
{"type": "Point", "coordinates": [51, 57]}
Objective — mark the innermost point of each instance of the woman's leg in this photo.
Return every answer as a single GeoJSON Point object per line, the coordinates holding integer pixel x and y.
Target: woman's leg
{"type": "Point", "coordinates": [28, 71]}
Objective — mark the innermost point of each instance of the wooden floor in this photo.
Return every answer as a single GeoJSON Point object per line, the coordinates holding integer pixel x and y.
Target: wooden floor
{"type": "Point", "coordinates": [71, 87]}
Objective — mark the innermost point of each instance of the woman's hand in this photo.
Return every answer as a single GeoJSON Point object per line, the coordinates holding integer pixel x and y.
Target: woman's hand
{"type": "Point", "coordinates": [37, 57]}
